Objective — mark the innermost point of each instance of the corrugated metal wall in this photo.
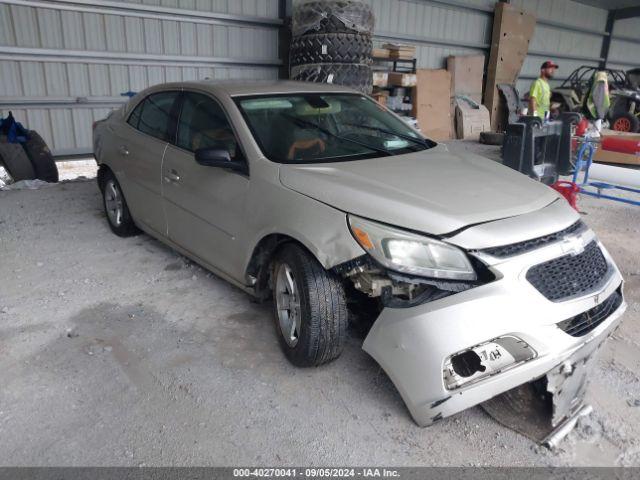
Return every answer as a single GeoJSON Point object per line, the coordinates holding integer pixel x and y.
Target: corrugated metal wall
{"type": "Point", "coordinates": [64, 64]}
{"type": "Point", "coordinates": [624, 51]}
{"type": "Point", "coordinates": [438, 28]}
{"type": "Point", "coordinates": [567, 32]}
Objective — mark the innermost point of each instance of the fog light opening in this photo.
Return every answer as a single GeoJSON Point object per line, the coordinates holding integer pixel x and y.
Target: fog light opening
{"type": "Point", "coordinates": [467, 363]}
{"type": "Point", "coordinates": [486, 359]}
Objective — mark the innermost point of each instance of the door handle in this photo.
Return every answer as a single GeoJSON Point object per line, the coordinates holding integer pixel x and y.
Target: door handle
{"type": "Point", "coordinates": [123, 150]}
{"type": "Point", "coordinates": [171, 176]}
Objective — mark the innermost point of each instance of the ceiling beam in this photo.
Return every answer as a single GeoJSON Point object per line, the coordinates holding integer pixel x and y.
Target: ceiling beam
{"type": "Point", "coordinates": [628, 12]}
{"type": "Point", "coordinates": [606, 40]}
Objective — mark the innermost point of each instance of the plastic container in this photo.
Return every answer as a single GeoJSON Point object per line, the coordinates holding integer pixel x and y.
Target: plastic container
{"type": "Point", "coordinates": [620, 144]}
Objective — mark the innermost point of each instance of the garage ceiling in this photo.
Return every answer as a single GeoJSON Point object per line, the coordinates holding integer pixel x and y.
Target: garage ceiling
{"type": "Point", "coordinates": [611, 4]}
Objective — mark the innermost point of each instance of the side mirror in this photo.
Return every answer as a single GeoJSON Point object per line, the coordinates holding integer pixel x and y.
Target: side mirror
{"type": "Point", "coordinates": [217, 157]}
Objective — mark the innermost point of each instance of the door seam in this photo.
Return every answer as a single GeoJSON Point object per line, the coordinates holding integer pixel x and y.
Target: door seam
{"type": "Point", "coordinates": [164, 210]}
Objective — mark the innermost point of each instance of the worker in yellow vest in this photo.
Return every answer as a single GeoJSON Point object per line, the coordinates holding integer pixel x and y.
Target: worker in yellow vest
{"type": "Point", "coordinates": [540, 93]}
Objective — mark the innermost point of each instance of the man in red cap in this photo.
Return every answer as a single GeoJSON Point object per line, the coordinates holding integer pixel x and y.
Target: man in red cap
{"type": "Point", "coordinates": [540, 93]}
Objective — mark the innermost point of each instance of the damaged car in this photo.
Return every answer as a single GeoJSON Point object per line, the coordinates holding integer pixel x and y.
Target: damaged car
{"type": "Point", "coordinates": [471, 279]}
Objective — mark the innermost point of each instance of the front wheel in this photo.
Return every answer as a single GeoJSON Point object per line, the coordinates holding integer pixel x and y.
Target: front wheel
{"type": "Point", "coordinates": [309, 307]}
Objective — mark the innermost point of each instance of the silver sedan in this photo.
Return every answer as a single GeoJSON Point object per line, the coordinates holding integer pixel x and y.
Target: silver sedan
{"type": "Point", "coordinates": [470, 278]}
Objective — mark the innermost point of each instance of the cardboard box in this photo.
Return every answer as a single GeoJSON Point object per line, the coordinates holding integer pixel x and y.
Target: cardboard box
{"type": "Point", "coordinates": [380, 79]}
{"type": "Point", "coordinates": [471, 121]}
{"type": "Point", "coordinates": [381, 53]}
{"type": "Point", "coordinates": [398, 79]}
{"type": "Point", "coordinates": [432, 103]}
{"type": "Point", "coordinates": [466, 75]}
{"type": "Point", "coordinates": [512, 31]}
{"type": "Point", "coordinates": [400, 51]}
{"type": "Point", "coordinates": [380, 97]}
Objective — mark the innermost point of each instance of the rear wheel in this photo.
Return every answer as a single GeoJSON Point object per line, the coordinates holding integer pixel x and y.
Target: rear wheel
{"type": "Point", "coordinates": [309, 307]}
{"type": "Point", "coordinates": [625, 122]}
{"type": "Point", "coordinates": [116, 209]}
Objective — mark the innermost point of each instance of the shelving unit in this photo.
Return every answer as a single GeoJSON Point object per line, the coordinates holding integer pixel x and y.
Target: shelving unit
{"type": "Point", "coordinates": [398, 65]}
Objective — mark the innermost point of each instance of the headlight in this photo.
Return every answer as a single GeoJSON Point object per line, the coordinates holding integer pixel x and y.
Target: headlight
{"type": "Point", "coordinates": [411, 253]}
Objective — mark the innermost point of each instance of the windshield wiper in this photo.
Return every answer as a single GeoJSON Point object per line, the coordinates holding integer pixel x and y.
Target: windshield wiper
{"type": "Point", "coordinates": [301, 122]}
{"type": "Point", "coordinates": [420, 141]}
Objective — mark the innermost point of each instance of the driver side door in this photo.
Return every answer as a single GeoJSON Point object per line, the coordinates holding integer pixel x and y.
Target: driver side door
{"type": "Point", "coordinates": [204, 205]}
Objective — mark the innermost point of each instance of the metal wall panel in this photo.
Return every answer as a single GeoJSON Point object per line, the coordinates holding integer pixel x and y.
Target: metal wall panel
{"type": "Point", "coordinates": [64, 64]}
{"type": "Point", "coordinates": [437, 28]}
{"type": "Point", "coordinates": [624, 51]}
{"type": "Point", "coordinates": [553, 39]}
{"type": "Point", "coordinates": [567, 31]}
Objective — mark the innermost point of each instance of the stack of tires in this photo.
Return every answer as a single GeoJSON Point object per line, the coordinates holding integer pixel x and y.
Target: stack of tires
{"type": "Point", "coordinates": [332, 43]}
{"type": "Point", "coordinates": [24, 154]}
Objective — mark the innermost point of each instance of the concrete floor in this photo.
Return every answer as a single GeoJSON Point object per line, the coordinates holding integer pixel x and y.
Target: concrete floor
{"type": "Point", "coordinates": [121, 352]}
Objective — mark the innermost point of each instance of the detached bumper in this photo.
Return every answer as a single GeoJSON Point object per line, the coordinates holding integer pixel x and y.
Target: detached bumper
{"type": "Point", "coordinates": [413, 345]}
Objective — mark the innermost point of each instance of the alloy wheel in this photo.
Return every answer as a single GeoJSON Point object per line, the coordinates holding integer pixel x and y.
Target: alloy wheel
{"type": "Point", "coordinates": [288, 304]}
{"type": "Point", "coordinates": [113, 203]}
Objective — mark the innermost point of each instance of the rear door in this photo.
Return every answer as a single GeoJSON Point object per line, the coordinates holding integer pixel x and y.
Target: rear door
{"type": "Point", "coordinates": [205, 205]}
{"type": "Point", "coordinates": [141, 149]}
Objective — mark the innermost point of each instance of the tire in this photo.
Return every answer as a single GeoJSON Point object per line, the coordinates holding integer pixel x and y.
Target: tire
{"type": "Point", "coordinates": [356, 76]}
{"type": "Point", "coordinates": [42, 161]}
{"type": "Point", "coordinates": [113, 198]}
{"type": "Point", "coordinates": [625, 122]}
{"type": "Point", "coordinates": [331, 48]}
{"type": "Point", "coordinates": [319, 334]}
{"type": "Point", "coordinates": [332, 16]}
{"type": "Point", "coordinates": [16, 162]}
{"type": "Point", "coordinates": [491, 138]}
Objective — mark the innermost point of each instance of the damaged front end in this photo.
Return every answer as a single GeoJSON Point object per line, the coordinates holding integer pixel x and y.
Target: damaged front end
{"type": "Point", "coordinates": [501, 329]}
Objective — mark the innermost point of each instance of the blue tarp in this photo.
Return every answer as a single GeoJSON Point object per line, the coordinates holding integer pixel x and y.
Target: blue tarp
{"type": "Point", "coordinates": [14, 131]}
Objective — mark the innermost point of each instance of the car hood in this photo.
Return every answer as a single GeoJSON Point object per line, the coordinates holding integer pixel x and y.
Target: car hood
{"type": "Point", "coordinates": [433, 191]}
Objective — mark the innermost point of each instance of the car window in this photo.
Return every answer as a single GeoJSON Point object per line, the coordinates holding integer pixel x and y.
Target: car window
{"type": "Point", "coordinates": [315, 128]}
{"type": "Point", "coordinates": [154, 116]}
{"type": "Point", "coordinates": [134, 118]}
{"type": "Point", "coordinates": [203, 124]}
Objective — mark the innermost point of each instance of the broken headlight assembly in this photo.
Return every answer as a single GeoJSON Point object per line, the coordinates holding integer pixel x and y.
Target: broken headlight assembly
{"type": "Point", "coordinates": [411, 253]}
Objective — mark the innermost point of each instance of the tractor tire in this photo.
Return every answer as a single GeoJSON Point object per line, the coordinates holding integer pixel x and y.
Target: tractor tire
{"type": "Point", "coordinates": [356, 76]}
{"type": "Point", "coordinates": [625, 122]}
{"type": "Point", "coordinates": [42, 161]}
{"type": "Point", "coordinates": [332, 16]}
{"type": "Point", "coordinates": [491, 138]}
{"type": "Point", "coordinates": [331, 48]}
{"type": "Point", "coordinates": [16, 162]}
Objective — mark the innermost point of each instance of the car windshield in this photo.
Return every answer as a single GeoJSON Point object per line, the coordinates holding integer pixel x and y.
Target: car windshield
{"type": "Point", "coordinates": [315, 128]}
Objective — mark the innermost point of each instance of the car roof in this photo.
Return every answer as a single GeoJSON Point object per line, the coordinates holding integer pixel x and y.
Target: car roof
{"type": "Point", "coordinates": [256, 87]}
{"type": "Point", "coordinates": [236, 88]}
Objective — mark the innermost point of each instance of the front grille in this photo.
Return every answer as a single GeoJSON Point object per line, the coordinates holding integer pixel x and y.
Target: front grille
{"type": "Point", "coordinates": [585, 322]}
{"type": "Point", "coordinates": [528, 245]}
{"type": "Point", "coordinates": [570, 275]}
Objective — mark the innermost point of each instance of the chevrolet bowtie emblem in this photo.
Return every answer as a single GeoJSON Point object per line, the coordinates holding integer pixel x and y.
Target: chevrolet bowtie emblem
{"type": "Point", "coordinates": [572, 245]}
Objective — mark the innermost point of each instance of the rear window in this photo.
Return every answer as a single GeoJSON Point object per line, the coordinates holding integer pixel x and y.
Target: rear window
{"type": "Point", "coordinates": [152, 115]}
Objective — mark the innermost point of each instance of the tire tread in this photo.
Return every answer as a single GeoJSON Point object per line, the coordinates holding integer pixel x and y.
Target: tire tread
{"type": "Point", "coordinates": [323, 302]}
